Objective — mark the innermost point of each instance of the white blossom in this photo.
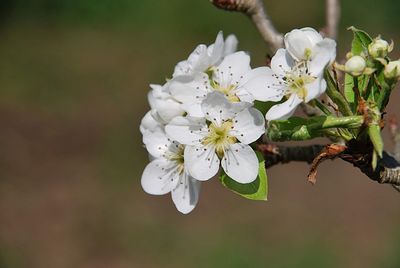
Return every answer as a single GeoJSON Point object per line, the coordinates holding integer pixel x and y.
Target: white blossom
{"type": "Point", "coordinates": [221, 137]}
{"type": "Point", "coordinates": [293, 81]}
{"type": "Point", "coordinates": [304, 44]}
{"type": "Point", "coordinates": [166, 173]}
{"type": "Point", "coordinates": [355, 65]}
{"type": "Point", "coordinates": [203, 57]}
{"type": "Point", "coordinates": [392, 70]}
{"type": "Point", "coordinates": [233, 77]}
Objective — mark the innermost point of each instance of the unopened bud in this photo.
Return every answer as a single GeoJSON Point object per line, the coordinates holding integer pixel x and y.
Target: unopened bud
{"type": "Point", "coordinates": [379, 48]}
{"type": "Point", "coordinates": [392, 70]}
{"type": "Point", "coordinates": [355, 65]}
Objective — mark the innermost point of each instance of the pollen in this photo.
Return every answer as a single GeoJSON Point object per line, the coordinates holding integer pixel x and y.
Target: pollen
{"type": "Point", "coordinates": [219, 137]}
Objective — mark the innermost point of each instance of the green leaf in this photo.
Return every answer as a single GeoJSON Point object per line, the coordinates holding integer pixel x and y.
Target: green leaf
{"type": "Point", "coordinates": [374, 132]}
{"type": "Point", "coordinates": [256, 190]}
{"type": "Point", "coordinates": [361, 40]}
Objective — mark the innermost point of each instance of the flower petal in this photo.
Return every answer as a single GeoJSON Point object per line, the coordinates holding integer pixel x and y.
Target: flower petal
{"type": "Point", "coordinates": [248, 125]}
{"type": "Point", "coordinates": [188, 89]}
{"type": "Point", "coordinates": [240, 163]}
{"type": "Point", "coordinates": [186, 194]}
{"type": "Point", "coordinates": [283, 110]}
{"type": "Point", "coordinates": [298, 42]}
{"type": "Point", "coordinates": [263, 85]}
{"type": "Point", "coordinates": [315, 89]}
{"type": "Point", "coordinates": [157, 143]}
{"type": "Point", "coordinates": [232, 68]}
{"type": "Point", "coordinates": [201, 162]}
{"type": "Point", "coordinates": [218, 109]}
{"type": "Point", "coordinates": [324, 53]}
{"type": "Point", "coordinates": [148, 123]}
{"type": "Point", "coordinates": [281, 63]}
{"type": "Point", "coordinates": [231, 43]}
{"type": "Point", "coordinates": [216, 50]}
{"type": "Point", "coordinates": [186, 130]}
{"type": "Point", "coordinates": [159, 178]}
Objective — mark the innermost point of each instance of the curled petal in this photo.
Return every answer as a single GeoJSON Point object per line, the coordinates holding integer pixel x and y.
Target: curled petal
{"type": "Point", "coordinates": [281, 63]}
{"type": "Point", "coordinates": [157, 143]}
{"type": "Point", "coordinates": [186, 194]}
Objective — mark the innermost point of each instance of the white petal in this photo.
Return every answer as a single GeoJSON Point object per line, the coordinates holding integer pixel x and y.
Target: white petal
{"type": "Point", "coordinates": [148, 123]}
{"type": "Point", "coordinates": [157, 143]}
{"type": "Point", "coordinates": [281, 63]}
{"type": "Point", "coordinates": [201, 162]}
{"type": "Point", "coordinates": [263, 85]}
{"type": "Point", "coordinates": [186, 194]}
{"type": "Point", "coordinates": [168, 109]}
{"type": "Point", "coordinates": [248, 125]}
{"type": "Point", "coordinates": [323, 54]}
{"type": "Point", "coordinates": [188, 89]}
{"type": "Point", "coordinates": [232, 68]}
{"type": "Point", "coordinates": [159, 178]}
{"type": "Point", "coordinates": [218, 109]}
{"type": "Point", "coordinates": [193, 109]}
{"type": "Point", "coordinates": [199, 59]}
{"type": "Point", "coordinates": [231, 43]}
{"type": "Point", "coordinates": [216, 50]}
{"type": "Point", "coordinates": [297, 42]}
{"type": "Point", "coordinates": [312, 35]}
{"type": "Point", "coordinates": [186, 130]}
{"type": "Point", "coordinates": [283, 110]}
{"type": "Point", "coordinates": [315, 89]}
{"type": "Point", "coordinates": [182, 68]}
{"type": "Point", "coordinates": [240, 163]}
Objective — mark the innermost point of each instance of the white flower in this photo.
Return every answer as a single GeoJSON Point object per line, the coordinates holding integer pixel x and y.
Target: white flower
{"type": "Point", "coordinates": [203, 57]}
{"type": "Point", "coordinates": [304, 44]}
{"type": "Point", "coordinates": [234, 78]}
{"type": "Point", "coordinates": [221, 137]}
{"type": "Point", "coordinates": [164, 107]}
{"type": "Point", "coordinates": [296, 81]}
{"type": "Point", "coordinates": [166, 172]}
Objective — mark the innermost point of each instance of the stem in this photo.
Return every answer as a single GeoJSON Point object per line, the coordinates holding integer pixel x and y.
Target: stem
{"type": "Point", "coordinates": [335, 95]}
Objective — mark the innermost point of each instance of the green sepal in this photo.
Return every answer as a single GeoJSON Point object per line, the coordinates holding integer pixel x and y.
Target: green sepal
{"type": "Point", "coordinates": [256, 190]}
{"type": "Point", "coordinates": [374, 133]}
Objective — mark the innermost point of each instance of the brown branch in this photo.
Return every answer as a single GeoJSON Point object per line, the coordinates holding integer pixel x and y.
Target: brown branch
{"type": "Point", "coordinates": [332, 18]}
{"type": "Point", "coordinates": [256, 11]}
{"type": "Point", "coordinates": [387, 171]}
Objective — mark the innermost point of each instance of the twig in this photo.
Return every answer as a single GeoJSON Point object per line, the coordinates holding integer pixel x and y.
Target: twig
{"type": "Point", "coordinates": [387, 171]}
{"type": "Point", "coordinates": [256, 11]}
{"type": "Point", "coordinates": [332, 18]}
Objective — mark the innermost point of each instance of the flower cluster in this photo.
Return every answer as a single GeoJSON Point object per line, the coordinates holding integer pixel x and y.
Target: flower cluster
{"type": "Point", "coordinates": [203, 119]}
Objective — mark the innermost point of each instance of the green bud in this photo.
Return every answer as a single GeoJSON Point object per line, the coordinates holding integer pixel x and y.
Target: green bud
{"type": "Point", "coordinates": [392, 70]}
{"type": "Point", "coordinates": [379, 48]}
{"type": "Point", "coordinates": [355, 65]}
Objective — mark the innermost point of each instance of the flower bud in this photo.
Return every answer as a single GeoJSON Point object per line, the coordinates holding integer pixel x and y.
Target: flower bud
{"type": "Point", "coordinates": [392, 70]}
{"type": "Point", "coordinates": [379, 48]}
{"type": "Point", "coordinates": [355, 65]}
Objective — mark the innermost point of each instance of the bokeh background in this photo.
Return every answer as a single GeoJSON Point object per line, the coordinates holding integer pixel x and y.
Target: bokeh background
{"type": "Point", "coordinates": [73, 82]}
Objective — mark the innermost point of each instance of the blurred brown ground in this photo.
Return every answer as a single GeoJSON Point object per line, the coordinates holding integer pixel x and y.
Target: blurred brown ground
{"type": "Point", "coordinates": [71, 99]}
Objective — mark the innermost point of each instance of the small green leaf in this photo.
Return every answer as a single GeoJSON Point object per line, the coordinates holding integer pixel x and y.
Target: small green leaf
{"type": "Point", "coordinates": [361, 40]}
{"type": "Point", "coordinates": [374, 132]}
{"type": "Point", "coordinates": [256, 190]}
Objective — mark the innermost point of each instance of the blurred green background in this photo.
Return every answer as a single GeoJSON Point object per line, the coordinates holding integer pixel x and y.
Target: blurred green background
{"type": "Point", "coordinates": [74, 76]}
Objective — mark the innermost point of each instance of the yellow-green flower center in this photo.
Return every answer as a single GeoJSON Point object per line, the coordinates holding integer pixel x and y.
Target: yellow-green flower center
{"type": "Point", "coordinates": [219, 137]}
{"type": "Point", "coordinates": [228, 91]}
{"type": "Point", "coordinates": [178, 158]}
{"type": "Point", "coordinates": [297, 84]}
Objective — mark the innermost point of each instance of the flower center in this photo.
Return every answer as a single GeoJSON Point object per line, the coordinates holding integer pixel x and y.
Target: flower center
{"type": "Point", "coordinates": [297, 84]}
{"type": "Point", "coordinates": [177, 157]}
{"type": "Point", "coordinates": [219, 137]}
{"type": "Point", "coordinates": [228, 91]}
